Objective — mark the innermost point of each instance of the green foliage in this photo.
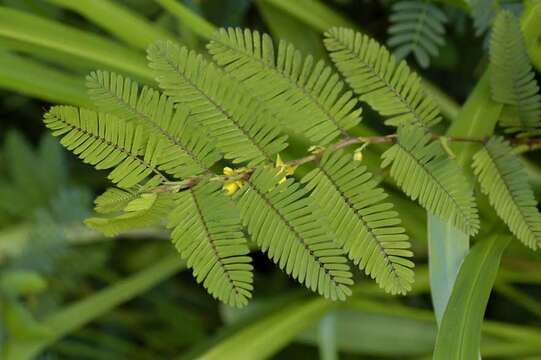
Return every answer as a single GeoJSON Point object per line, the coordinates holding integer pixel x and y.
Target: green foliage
{"type": "Point", "coordinates": [418, 28]}
{"type": "Point", "coordinates": [459, 336]}
{"type": "Point", "coordinates": [32, 176]}
{"type": "Point", "coordinates": [167, 152]}
{"type": "Point", "coordinates": [207, 232]}
{"type": "Point", "coordinates": [233, 120]}
{"type": "Point", "coordinates": [483, 13]}
{"type": "Point", "coordinates": [188, 153]}
{"type": "Point", "coordinates": [503, 178]}
{"type": "Point", "coordinates": [513, 81]}
{"type": "Point", "coordinates": [280, 218]}
{"type": "Point", "coordinates": [107, 142]}
{"type": "Point", "coordinates": [348, 195]}
{"type": "Point", "coordinates": [148, 210]}
{"type": "Point", "coordinates": [389, 87]}
{"type": "Point", "coordinates": [421, 168]}
{"type": "Point", "coordinates": [113, 200]}
{"type": "Point", "coordinates": [253, 105]}
{"type": "Point", "coordinates": [307, 96]}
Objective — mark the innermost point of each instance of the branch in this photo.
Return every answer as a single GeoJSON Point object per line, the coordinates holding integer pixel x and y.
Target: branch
{"type": "Point", "coordinates": [244, 173]}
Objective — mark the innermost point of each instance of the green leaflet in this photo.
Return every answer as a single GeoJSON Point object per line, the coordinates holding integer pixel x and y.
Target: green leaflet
{"type": "Point", "coordinates": [280, 219]}
{"type": "Point", "coordinates": [513, 81]}
{"type": "Point", "coordinates": [504, 179]}
{"type": "Point", "coordinates": [187, 152]}
{"type": "Point", "coordinates": [106, 142]}
{"type": "Point", "coordinates": [389, 87]}
{"type": "Point", "coordinates": [207, 232]}
{"type": "Point", "coordinates": [307, 95]}
{"type": "Point", "coordinates": [365, 226]}
{"type": "Point", "coordinates": [233, 120]}
{"type": "Point", "coordinates": [321, 16]}
{"type": "Point", "coordinates": [460, 330]}
{"type": "Point", "coordinates": [424, 171]}
{"type": "Point", "coordinates": [483, 13]}
{"type": "Point", "coordinates": [113, 200]}
{"type": "Point", "coordinates": [144, 211]}
{"type": "Point", "coordinates": [417, 27]}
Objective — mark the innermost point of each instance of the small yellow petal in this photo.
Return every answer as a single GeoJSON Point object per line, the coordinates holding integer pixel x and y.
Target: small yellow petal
{"type": "Point", "coordinates": [228, 171]}
{"type": "Point", "coordinates": [231, 188]}
{"type": "Point", "coordinates": [279, 161]}
{"type": "Point", "coordinates": [358, 156]}
{"type": "Point", "coordinates": [290, 170]}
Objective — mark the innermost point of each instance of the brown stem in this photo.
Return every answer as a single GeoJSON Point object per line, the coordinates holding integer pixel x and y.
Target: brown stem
{"type": "Point", "coordinates": [315, 155]}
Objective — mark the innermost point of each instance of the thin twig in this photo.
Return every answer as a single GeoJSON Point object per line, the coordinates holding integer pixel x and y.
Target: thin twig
{"type": "Point", "coordinates": [318, 153]}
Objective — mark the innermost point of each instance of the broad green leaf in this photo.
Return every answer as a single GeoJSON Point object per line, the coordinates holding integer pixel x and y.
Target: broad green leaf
{"type": "Point", "coordinates": [314, 13]}
{"type": "Point", "coordinates": [447, 246]}
{"type": "Point", "coordinates": [362, 327]}
{"type": "Point", "coordinates": [531, 16]}
{"type": "Point", "coordinates": [187, 17]}
{"type": "Point", "coordinates": [120, 21]}
{"type": "Point", "coordinates": [43, 32]}
{"type": "Point", "coordinates": [284, 26]}
{"type": "Point", "coordinates": [327, 337]}
{"type": "Point", "coordinates": [460, 331]}
{"type": "Point", "coordinates": [19, 74]}
{"type": "Point", "coordinates": [75, 65]}
{"type": "Point", "coordinates": [263, 336]}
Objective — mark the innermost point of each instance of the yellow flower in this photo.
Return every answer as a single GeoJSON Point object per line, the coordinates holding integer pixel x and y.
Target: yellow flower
{"type": "Point", "coordinates": [284, 168]}
{"type": "Point", "coordinates": [228, 171]}
{"type": "Point", "coordinates": [358, 156]}
{"type": "Point", "coordinates": [230, 187]}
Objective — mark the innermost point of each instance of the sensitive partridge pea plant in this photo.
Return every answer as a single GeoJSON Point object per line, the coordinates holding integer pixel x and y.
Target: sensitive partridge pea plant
{"type": "Point", "coordinates": [204, 156]}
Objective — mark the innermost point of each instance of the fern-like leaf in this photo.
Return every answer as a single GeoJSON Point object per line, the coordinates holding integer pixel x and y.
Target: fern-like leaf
{"type": "Point", "coordinates": [114, 200]}
{"type": "Point", "coordinates": [418, 27]}
{"type": "Point", "coordinates": [389, 87]}
{"type": "Point", "coordinates": [503, 178]}
{"type": "Point", "coordinates": [364, 225]}
{"type": "Point", "coordinates": [280, 218]}
{"type": "Point", "coordinates": [513, 81]}
{"type": "Point", "coordinates": [107, 142]}
{"type": "Point", "coordinates": [235, 123]}
{"type": "Point", "coordinates": [424, 171]}
{"type": "Point", "coordinates": [306, 94]}
{"type": "Point", "coordinates": [147, 210]}
{"type": "Point", "coordinates": [483, 13]}
{"type": "Point", "coordinates": [207, 232]}
{"type": "Point", "coordinates": [187, 153]}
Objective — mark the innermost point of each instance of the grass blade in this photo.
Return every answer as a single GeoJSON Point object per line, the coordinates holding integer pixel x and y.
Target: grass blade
{"type": "Point", "coordinates": [32, 29]}
{"type": "Point", "coordinates": [265, 335]}
{"type": "Point", "coordinates": [193, 21]}
{"type": "Point", "coordinates": [447, 246]}
{"type": "Point", "coordinates": [19, 74]}
{"type": "Point", "coordinates": [77, 315]}
{"type": "Point", "coordinates": [460, 331]}
{"type": "Point", "coordinates": [123, 23]}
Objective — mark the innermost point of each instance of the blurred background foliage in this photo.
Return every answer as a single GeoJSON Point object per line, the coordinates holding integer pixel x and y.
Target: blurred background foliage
{"type": "Point", "coordinates": [67, 292]}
